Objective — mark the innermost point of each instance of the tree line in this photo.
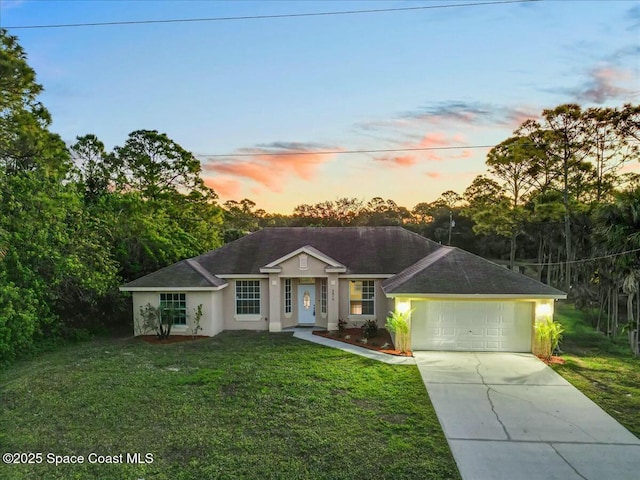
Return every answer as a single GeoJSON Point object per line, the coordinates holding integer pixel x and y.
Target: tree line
{"type": "Point", "coordinates": [76, 221]}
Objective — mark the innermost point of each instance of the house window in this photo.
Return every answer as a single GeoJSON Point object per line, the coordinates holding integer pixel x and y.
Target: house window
{"type": "Point", "coordinates": [287, 295]}
{"type": "Point", "coordinates": [362, 296]}
{"type": "Point", "coordinates": [323, 296]}
{"type": "Point", "coordinates": [248, 297]}
{"type": "Point", "coordinates": [174, 305]}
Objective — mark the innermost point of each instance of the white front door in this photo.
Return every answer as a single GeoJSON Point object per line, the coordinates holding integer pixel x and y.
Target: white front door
{"type": "Point", "coordinates": [307, 304]}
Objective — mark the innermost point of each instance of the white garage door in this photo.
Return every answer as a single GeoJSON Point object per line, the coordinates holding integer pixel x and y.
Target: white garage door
{"type": "Point", "coordinates": [472, 326]}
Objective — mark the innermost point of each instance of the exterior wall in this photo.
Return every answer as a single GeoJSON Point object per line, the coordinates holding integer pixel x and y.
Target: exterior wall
{"type": "Point", "coordinates": [212, 317]}
{"type": "Point", "coordinates": [384, 305]}
{"type": "Point", "coordinates": [250, 322]}
{"type": "Point", "coordinates": [217, 311]}
{"type": "Point", "coordinates": [139, 300]}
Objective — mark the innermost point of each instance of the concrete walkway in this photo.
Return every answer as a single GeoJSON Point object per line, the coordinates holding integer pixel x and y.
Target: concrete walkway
{"type": "Point", "coordinates": [306, 334]}
{"type": "Point", "coordinates": [510, 417]}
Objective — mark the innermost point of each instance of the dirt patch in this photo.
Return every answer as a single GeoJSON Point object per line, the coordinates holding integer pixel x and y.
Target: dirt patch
{"type": "Point", "coordinates": [395, 418]}
{"type": "Point", "coordinates": [171, 339]}
{"type": "Point", "coordinates": [354, 336]}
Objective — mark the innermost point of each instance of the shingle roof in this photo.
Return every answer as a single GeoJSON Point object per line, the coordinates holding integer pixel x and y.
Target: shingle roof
{"type": "Point", "coordinates": [187, 273]}
{"type": "Point", "coordinates": [451, 271]}
{"type": "Point", "coordinates": [363, 250]}
{"type": "Point", "coordinates": [419, 265]}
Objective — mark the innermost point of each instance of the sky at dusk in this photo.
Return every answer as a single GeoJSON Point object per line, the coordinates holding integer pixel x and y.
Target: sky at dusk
{"type": "Point", "coordinates": [255, 99]}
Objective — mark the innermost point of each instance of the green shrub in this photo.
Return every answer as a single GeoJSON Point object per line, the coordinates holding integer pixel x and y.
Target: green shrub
{"type": "Point", "coordinates": [370, 329]}
{"type": "Point", "coordinates": [19, 323]}
{"type": "Point", "coordinates": [155, 319]}
{"type": "Point", "coordinates": [549, 334]}
{"type": "Point", "coordinates": [400, 324]}
{"type": "Point", "coordinates": [195, 326]}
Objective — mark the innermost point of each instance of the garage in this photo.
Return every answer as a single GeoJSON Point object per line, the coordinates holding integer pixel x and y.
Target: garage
{"type": "Point", "coordinates": [483, 326]}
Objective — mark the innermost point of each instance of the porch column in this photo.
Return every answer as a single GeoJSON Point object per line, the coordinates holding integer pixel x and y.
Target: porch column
{"type": "Point", "coordinates": [333, 301]}
{"type": "Point", "coordinates": [275, 324]}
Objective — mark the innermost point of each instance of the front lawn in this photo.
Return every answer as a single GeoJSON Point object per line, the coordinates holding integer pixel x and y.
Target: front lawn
{"type": "Point", "coordinates": [239, 405]}
{"type": "Point", "coordinates": [604, 370]}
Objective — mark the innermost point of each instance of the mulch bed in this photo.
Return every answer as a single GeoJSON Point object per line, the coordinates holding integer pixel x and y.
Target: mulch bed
{"type": "Point", "coordinates": [171, 339]}
{"type": "Point", "coordinates": [355, 335]}
{"type": "Point", "coordinates": [552, 361]}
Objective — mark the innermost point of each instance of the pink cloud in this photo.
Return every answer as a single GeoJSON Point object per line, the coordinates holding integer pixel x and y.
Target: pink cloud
{"type": "Point", "coordinates": [398, 160]}
{"type": "Point", "coordinates": [433, 175]}
{"type": "Point", "coordinates": [603, 84]}
{"type": "Point", "coordinates": [433, 140]}
{"type": "Point", "coordinates": [226, 187]}
{"type": "Point", "coordinates": [272, 169]}
{"type": "Point", "coordinates": [463, 155]}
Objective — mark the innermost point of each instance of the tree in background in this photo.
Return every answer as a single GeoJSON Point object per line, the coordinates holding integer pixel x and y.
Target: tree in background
{"type": "Point", "coordinates": [569, 144]}
{"type": "Point", "coordinates": [150, 201]}
{"type": "Point", "coordinates": [241, 218]}
{"type": "Point", "coordinates": [617, 236]}
{"type": "Point", "coordinates": [340, 213]}
{"type": "Point", "coordinates": [504, 215]}
{"type": "Point", "coordinates": [56, 266]}
{"type": "Point", "coordinates": [93, 168]}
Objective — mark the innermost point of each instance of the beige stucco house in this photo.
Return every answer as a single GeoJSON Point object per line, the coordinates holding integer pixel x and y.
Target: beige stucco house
{"type": "Point", "coordinates": [278, 278]}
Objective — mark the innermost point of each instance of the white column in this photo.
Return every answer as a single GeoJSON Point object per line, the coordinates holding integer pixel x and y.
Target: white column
{"type": "Point", "coordinates": [275, 324]}
{"type": "Point", "coordinates": [333, 301]}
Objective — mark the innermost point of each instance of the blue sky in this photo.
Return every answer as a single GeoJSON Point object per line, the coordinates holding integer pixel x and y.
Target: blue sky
{"type": "Point", "coordinates": [438, 77]}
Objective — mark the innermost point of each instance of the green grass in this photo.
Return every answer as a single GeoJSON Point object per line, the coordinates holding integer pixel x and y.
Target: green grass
{"type": "Point", "coordinates": [239, 405]}
{"type": "Point", "coordinates": [605, 370]}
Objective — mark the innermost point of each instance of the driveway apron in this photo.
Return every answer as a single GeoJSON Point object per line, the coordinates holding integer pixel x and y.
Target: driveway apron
{"type": "Point", "coordinates": [508, 416]}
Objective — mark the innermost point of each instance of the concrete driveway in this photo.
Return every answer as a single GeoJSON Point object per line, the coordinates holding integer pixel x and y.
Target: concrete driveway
{"type": "Point", "coordinates": [508, 416]}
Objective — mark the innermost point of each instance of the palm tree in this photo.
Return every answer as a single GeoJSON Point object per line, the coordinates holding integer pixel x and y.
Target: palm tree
{"type": "Point", "coordinates": [617, 231]}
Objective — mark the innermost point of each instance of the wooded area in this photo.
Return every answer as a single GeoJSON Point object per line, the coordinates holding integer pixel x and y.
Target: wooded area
{"type": "Point", "coordinates": [76, 221]}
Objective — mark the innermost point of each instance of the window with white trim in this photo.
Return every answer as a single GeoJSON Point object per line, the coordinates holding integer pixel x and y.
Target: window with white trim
{"type": "Point", "coordinates": [287, 296]}
{"type": "Point", "coordinates": [247, 297]}
{"type": "Point", "coordinates": [323, 296]}
{"type": "Point", "coordinates": [174, 305]}
{"type": "Point", "coordinates": [362, 297]}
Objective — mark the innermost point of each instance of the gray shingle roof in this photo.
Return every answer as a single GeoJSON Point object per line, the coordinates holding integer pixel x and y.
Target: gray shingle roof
{"type": "Point", "coordinates": [187, 273]}
{"type": "Point", "coordinates": [420, 265]}
{"type": "Point", "coordinates": [363, 250]}
{"type": "Point", "coordinates": [453, 271]}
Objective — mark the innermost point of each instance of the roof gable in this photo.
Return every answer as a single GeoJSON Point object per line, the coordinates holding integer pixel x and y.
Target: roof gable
{"type": "Point", "coordinates": [332, 265]}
